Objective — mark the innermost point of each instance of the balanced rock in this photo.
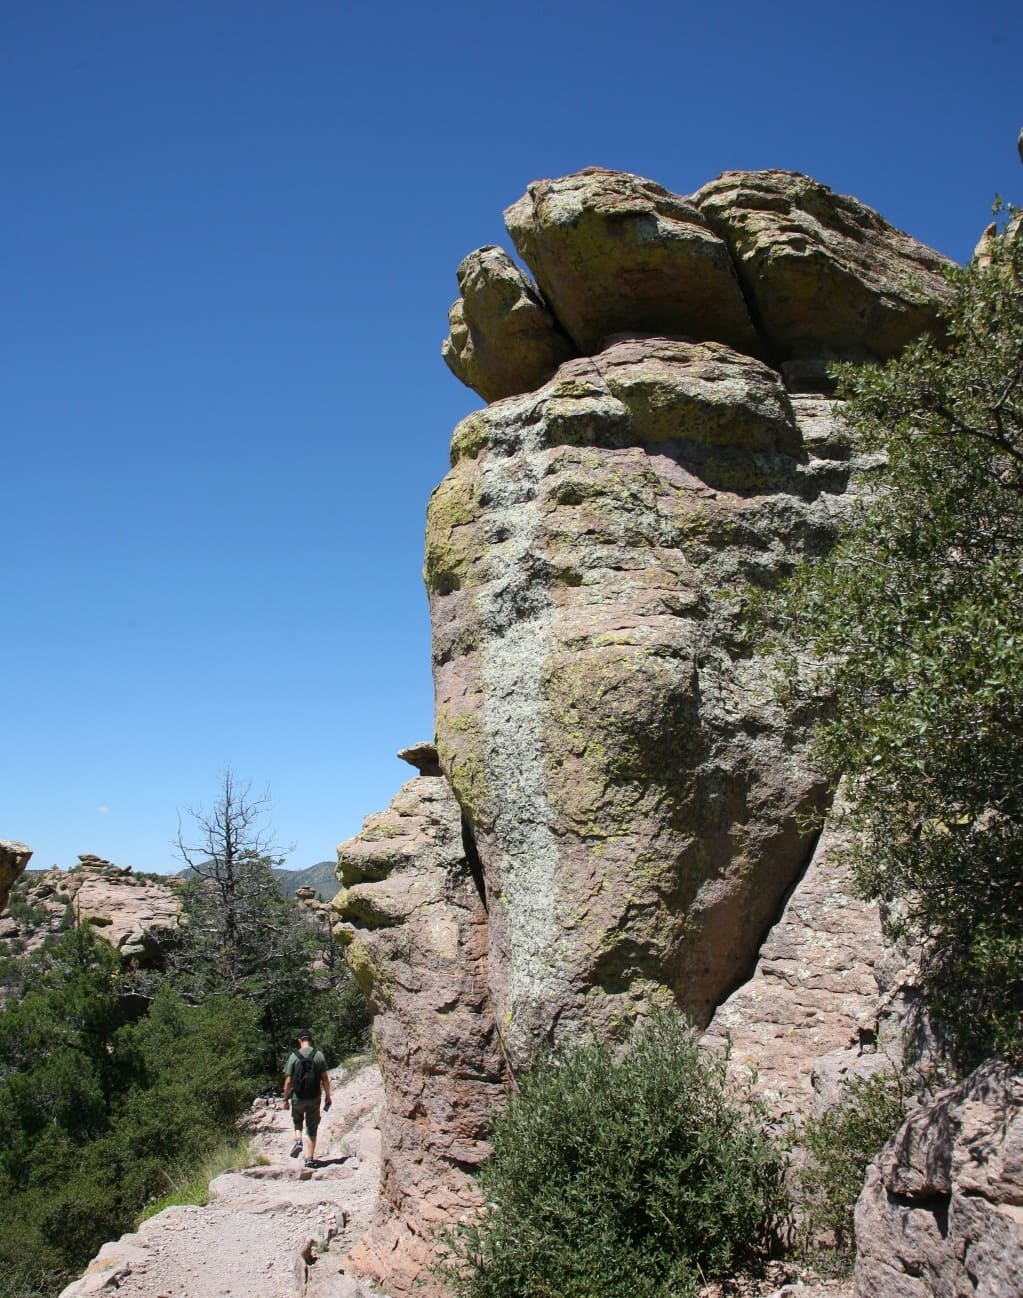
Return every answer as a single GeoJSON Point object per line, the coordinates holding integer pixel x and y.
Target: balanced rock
{"type": "Point", "coordinates": [614, 253]}
{"type": "Point", "coordinates": [13, 859]}
{"type": "Point", "coordinates": [502, 338]}
{"type": "Point", "coordinates": [635, 791]}
{"type": "Point", "coordinates": [828, 277]}
{"type": "Point", "coordinates": [412, 918]}
{"type": "Point", "coordinates": [941, 1211]}
{"type": "Point", "coordinates": [772, 263]}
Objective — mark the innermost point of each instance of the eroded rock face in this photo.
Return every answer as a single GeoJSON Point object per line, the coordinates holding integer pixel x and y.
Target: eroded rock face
{"type": "Point", "coordinates": [135, 916]}
{"type": "Point", "coordinates": [614, 253]}
{"type": "Point", "coordinates": [942, 1208]}
{"type": "Point", "coordinates": [413, 921]}
{"type": "Point", "coordinates": [13, 859]}
{"type": "Point", "coordinates": [502, 338]}
{"type": "Point", "coordinates": [625, 802]}
{"type": "Point", "coordinates": [827, 277]}
{"type": "Point", "coordinates": [808, 1019]}
{"type": "Point", "coordinates": [635, 790]}
{"type": "Point", "coordinates": [772, 263]}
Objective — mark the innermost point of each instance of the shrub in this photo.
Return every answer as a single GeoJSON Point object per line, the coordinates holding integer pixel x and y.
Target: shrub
{"type": "Point", "coordinates": [633, 1176]}
{"type": "Point", "coordinates": [839, 1146]}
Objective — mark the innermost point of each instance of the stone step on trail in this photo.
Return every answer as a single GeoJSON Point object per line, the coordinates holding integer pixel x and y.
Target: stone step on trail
{"type": "Point", "coordinates": [269, 1231]}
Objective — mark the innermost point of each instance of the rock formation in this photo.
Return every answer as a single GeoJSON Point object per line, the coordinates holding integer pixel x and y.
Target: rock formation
{"type": "Point", "coordinates": [13, 859]}
{"type": "Point", "coordinates": [942, 1208]}
{"type": "Point", "coordinates": [417, 941]}
{"type": "Point", "coordinates": [625, 800]}
{"type": "Point", "coordinates": [134, 915]}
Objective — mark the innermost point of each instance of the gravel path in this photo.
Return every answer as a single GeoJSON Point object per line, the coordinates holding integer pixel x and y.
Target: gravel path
{"type": "Point", "coordinates": [268, 1232]}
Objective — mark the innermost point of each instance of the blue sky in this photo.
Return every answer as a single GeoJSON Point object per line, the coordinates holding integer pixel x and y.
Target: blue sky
{"type": "Point", "coordinates": [230, 232]}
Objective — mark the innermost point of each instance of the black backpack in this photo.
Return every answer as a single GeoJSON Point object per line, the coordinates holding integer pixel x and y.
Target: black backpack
{"type": "Point", "coordinates": [305, 1076]}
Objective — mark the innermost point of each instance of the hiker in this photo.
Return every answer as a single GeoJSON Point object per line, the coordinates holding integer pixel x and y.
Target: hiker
{"type": "Point", "coordinates": [305, 1074]}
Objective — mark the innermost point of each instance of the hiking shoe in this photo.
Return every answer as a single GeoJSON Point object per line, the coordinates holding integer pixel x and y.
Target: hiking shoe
{"type": "Point", "coordinates": [311, 1162]}
{"type": "Point", "coordinates": [296, 1149]}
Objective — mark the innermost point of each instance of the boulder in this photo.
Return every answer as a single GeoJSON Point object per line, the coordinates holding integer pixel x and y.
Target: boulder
{"type": "Point", "coordinates": [13, 859]}
{"type": "Point", "coordinates": [502, 338]}
{"type": "Point", "coordinates": [826, 276]}
{"type": "Point", "coordinates": [614, 253]}
{"type": "Point", "coordinates": [941, 1211]}
{"type": "Point", "coordinates": [412, 919]}
{"type": "Point", "coordinates": [636, 793]}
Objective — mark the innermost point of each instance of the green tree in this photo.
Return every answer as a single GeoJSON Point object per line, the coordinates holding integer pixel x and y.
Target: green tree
{"type": "Point", "coordinates": [245, 940]}
{"type": "Point", "coordinates": [630, 1176]}
{"type": "Point", "coordinates": [917, 620]}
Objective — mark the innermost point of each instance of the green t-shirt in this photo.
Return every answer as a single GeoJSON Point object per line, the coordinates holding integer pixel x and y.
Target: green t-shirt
{"type": "Point", "coordinates": [319, 1063]}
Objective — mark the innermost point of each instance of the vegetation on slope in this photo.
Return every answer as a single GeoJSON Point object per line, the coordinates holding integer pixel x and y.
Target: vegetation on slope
{"type": "Point", "coordinates": [117, 1086]}
{"type": "Point", "coordinates": [918, 620]}
{"type": "Point", "coordinates": [636, 1175]}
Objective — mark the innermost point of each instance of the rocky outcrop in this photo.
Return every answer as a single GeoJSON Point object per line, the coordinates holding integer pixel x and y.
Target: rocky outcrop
{"type": "Point", "coordinates": [416, 936]}
{"type": "Point", "coordinates": [136, 916]}
{"type": "Point", "coordinates": [809, 1018]}
{"type": "Point", "coordinates": [502, 338]}
{"type": "Point", "coordinates": [13, 859]}
{"type": "Point", "coordinates": [619, 802]}
{"type": "Point", "coordinates": [771, 263]}
{"type": "Point", "coordinates": [614, 253]}
{"type": "Point", "coordinates": [942, 1208]}
{"type": "Point", "coordinates": [826, 277]}
{"type": "Point", "coordinates": [636, 792]}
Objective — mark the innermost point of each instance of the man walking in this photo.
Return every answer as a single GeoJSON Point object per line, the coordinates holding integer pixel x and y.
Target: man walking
{"type": "Point", "coordinates": [305, 1075]}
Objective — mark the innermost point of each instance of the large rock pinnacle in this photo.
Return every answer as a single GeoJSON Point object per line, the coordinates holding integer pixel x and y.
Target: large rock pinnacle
{"type": "Point", "coordinates": [624, 801]}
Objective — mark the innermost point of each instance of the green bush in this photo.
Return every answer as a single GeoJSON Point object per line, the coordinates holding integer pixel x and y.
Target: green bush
{"type": "Point", "coordinates": [628, 1176]}
{"type": "Point", "coordinates": [839, 1146]}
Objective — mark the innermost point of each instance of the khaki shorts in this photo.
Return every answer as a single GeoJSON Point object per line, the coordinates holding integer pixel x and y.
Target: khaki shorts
{"type": "Point", "coordinates": [309, 1110]}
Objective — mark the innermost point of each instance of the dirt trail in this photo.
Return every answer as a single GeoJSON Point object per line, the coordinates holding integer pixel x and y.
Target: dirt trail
{"type": "Point", "coordinates": [268, 1232]}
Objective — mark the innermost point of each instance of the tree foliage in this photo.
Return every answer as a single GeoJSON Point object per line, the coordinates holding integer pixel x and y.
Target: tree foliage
{"type": "Point", "coordinates": [114, 1088]}
{"type": "Point", "coordinates": [917, 618]}
{"type": "Point", "coordinates": [629, 1177]}
{"type": "Point", "coordinates": [244, 939]}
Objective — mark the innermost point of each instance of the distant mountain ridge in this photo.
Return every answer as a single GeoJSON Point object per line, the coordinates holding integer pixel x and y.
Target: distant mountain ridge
{"type": "Point", "coordinates": [320, 876]}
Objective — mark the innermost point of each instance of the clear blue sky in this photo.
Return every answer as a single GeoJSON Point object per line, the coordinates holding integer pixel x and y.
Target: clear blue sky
{"type": "Point", "coordinates": [229, 232]}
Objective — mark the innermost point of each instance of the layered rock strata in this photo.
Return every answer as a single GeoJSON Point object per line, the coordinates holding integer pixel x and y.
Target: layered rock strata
{"type": "Point", "coordinates": [416, 936]}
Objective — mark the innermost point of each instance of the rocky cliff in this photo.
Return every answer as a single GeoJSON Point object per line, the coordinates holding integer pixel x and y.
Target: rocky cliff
{"type": "Point", "coordinates": [131, 913]}
{"type": "Point", "coordinates": [621, 803]}
{"type": "Point", "coordinates": [14, 857]}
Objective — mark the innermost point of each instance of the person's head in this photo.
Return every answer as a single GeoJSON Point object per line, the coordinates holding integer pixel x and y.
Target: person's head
{"type": "Point", "coordinates": [305, 1039]}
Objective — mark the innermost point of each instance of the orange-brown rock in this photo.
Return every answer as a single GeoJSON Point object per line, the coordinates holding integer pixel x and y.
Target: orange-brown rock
{"type": "Point", "coordinates": [412, 919]}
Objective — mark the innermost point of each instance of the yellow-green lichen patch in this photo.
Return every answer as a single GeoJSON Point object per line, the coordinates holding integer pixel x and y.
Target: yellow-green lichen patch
{"type": "Point", "coordinates": [460, 749]}
{"type": "Point", "coordinates": [470, 437]}
{"type": "Point", "coordinates": [618, 715]}
{"type": "Point", "coordinates": [452, 545]}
